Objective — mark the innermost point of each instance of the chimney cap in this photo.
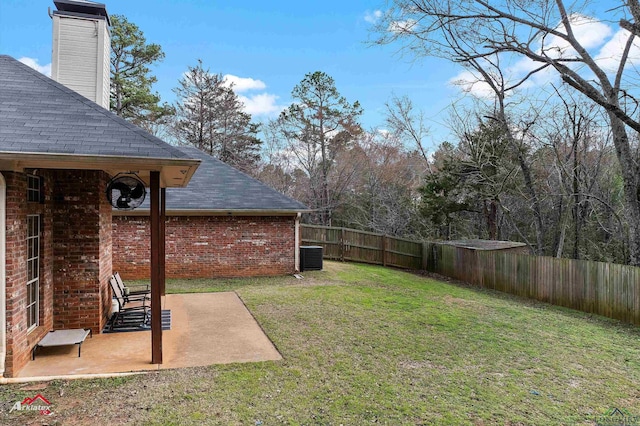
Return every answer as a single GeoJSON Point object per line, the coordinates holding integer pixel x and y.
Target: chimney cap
{"type": "Point", "coordinates": [83, 7]}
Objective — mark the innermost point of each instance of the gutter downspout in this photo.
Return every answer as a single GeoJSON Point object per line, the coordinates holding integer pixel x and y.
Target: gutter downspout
{"type": "Point", "coordinates": [297, 244]}
{"type": "Point", "coordinates": [3, 281]}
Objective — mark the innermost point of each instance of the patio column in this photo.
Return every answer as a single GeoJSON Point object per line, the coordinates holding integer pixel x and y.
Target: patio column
{"type": "Point", "coordinates": [156, 264]}
{"type": "Point", "coordinates": [163, 219]}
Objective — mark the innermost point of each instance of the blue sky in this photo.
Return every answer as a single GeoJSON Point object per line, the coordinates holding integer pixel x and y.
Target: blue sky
{"type": "Point", "coordinates": [276, 42]}
{"type": "Point", "coordinates": [268, 47]}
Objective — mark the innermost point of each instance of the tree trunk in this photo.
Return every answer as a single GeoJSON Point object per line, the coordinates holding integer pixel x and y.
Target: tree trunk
{"type": "Point", "coordinates": [558, 234]}
{"type": "Point", "coordinates": [631, 186]}
{"type": "Point", "coordinates": [528, 180]}
{"type": "Point", "coordinates": [576, 203]}
{"type": "Point", "coordinates": [491, 215]}
{"type": "Point", "coordinates": [561, 241]}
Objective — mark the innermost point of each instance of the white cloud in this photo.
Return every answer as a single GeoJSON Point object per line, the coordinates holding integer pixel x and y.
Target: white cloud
{"type": "Point", "coordinates": [33, 63]}
{"type": "Point", "coordinates": [262, 104]}
{"type": "Point", "coordinates": [470, 83]}
{"type": "Point", "coordinates": [403, 26]}
{"type": "Point", "coordinates": [609, 56]}
{"type": "Point", "coordinates": [372, 17]}
{"type": "Point", "coordinates": [243, 84]}
{"type": "Point", "coordinates": [589, 32]}
{"type": "Point", "coordinates": [259, 104]}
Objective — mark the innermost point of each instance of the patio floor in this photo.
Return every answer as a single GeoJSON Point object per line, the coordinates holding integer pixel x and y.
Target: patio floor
{"type": "Point", "coordinates": [206, 329]}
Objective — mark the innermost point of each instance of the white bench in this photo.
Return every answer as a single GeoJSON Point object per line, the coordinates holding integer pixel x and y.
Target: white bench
{"type": "Point", "coordinates": [63, 338]}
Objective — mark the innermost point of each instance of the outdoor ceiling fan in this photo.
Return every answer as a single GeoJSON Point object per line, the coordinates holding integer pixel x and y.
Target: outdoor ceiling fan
{"type": "Point", "coordinates": [126, 191]}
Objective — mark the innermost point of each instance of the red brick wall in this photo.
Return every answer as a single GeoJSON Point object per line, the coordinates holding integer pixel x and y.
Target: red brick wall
{"type": "Point", "coordinates": [82, 249]}
{"type": "Point", "coordinates": [208, 246]}
{"type": "Point", "coordinates": [19, 342]}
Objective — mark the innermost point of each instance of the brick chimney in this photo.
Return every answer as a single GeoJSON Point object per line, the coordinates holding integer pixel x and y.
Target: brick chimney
{"type": "Point", "coordinates": [82, 48]}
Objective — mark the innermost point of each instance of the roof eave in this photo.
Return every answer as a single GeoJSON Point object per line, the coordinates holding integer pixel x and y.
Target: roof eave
{"type": "Point", "coordinates": [174, 172]}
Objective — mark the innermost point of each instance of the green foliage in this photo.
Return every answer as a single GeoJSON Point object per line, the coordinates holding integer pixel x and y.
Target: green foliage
{"type": "Point", "coordinates": [210, 116]}
{"type": "Point", "coordinates": [469, 182]}
{"type": "Point", "coordinates": [441, 194]}
{"type": "Point", "coordinates": [131, 79]}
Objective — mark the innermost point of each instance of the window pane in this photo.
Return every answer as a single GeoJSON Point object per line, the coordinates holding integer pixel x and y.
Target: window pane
{"type": "Point", "coordinates": [33, 266]}
{"type": "Point", "coordinates": [32, 315]}
{"type": "Point", "coordinates": [33, 188]}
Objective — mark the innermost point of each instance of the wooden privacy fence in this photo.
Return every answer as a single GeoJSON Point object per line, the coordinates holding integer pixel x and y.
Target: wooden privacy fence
{"type": "Point", "coordinates": [606, 289]}
{"type": "Point", "coordinates": [359, 246]}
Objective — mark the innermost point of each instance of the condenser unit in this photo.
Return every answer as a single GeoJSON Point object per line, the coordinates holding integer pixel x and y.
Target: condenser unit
{"type": "Point", "coordinates": [310, 258]}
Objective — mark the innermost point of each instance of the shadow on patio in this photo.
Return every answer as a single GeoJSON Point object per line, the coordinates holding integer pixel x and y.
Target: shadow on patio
{"type": "Point", "coordinates": [207, 328]}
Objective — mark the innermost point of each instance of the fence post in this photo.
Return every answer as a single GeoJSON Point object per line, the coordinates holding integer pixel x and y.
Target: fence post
{"type": "Point", "coordinates": [384, 250]}
{"type": "Point", "coordinates": [342, 232]}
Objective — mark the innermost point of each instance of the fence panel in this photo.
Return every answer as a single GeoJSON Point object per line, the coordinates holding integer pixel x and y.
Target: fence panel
{"type": "Point", "coordinates": [606, 289]}
{"type": "Point", "coordinates": [403, 253]}
{"type": "Point", "coordinates": [327, 237]}
{"type": "Point", "coordinates": [361, 246]}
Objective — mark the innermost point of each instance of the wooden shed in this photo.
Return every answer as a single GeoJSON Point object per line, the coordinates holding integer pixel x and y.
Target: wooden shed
{"type": "Point", "coordinates": [459, 258]}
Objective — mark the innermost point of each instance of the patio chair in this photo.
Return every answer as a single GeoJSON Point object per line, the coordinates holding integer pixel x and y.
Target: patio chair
{"type": "Point", "coordinates": [127, 293]}
{"type": "Point", "coordinates": [127, 316]}
{"type": "Point", "coordinates": [124, 301]}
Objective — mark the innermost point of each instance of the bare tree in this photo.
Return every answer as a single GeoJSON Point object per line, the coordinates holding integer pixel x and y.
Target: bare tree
{"type": "Point", "coordinates": [382, 195]}
{"type": "Point", "coordinates": [578, 155]}
{"type": "Point", "coordinates": [478, 32]}
{"type": "Point", "coordinates": [408, 125]}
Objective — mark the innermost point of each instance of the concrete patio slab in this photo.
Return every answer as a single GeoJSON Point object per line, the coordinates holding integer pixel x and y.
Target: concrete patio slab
{"type": "Point", "coordinates": [206, 329]}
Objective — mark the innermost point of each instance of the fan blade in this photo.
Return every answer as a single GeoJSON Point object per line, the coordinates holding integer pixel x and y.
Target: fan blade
{"type": "Point", "coordinates": [124, 189]}
{"type": "Point", "coordinates": [138, 191]}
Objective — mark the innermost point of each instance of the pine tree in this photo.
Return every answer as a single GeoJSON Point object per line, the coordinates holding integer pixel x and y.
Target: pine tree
{"type": "Point", "coordinates": [210, 116]}
{"type": "Point", "coordinates": [131, 79]}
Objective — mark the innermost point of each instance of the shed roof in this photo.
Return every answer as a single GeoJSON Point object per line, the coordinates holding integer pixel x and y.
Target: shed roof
{"type": "Point", "coordinates": [45, 124]}
{"type": "Point", "coordinates": [484, 244]}
{"type": "Point", "coordinates": [218, 188]}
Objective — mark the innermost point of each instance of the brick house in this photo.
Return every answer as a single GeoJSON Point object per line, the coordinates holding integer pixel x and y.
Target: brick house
{"type": "Point", "coordinates": [58, 151]}
{"type": "Point", "coordinates": [223, 224]}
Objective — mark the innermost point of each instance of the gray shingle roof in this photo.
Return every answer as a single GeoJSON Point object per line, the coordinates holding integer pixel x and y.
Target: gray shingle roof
{"type": "Point", "coordinates": [220, 187]}
{"type": "Point", "coordinates": [39, 115]}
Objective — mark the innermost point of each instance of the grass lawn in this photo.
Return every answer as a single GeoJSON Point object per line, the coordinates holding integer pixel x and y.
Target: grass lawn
{"type": "Point", "coordinates": [364, 344]}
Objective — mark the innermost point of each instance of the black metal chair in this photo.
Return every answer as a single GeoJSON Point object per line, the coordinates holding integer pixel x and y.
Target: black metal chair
{"type": "Point", "coordinates": [126, 291]}
{"type": "Point", "coordinates": [129, 316]}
